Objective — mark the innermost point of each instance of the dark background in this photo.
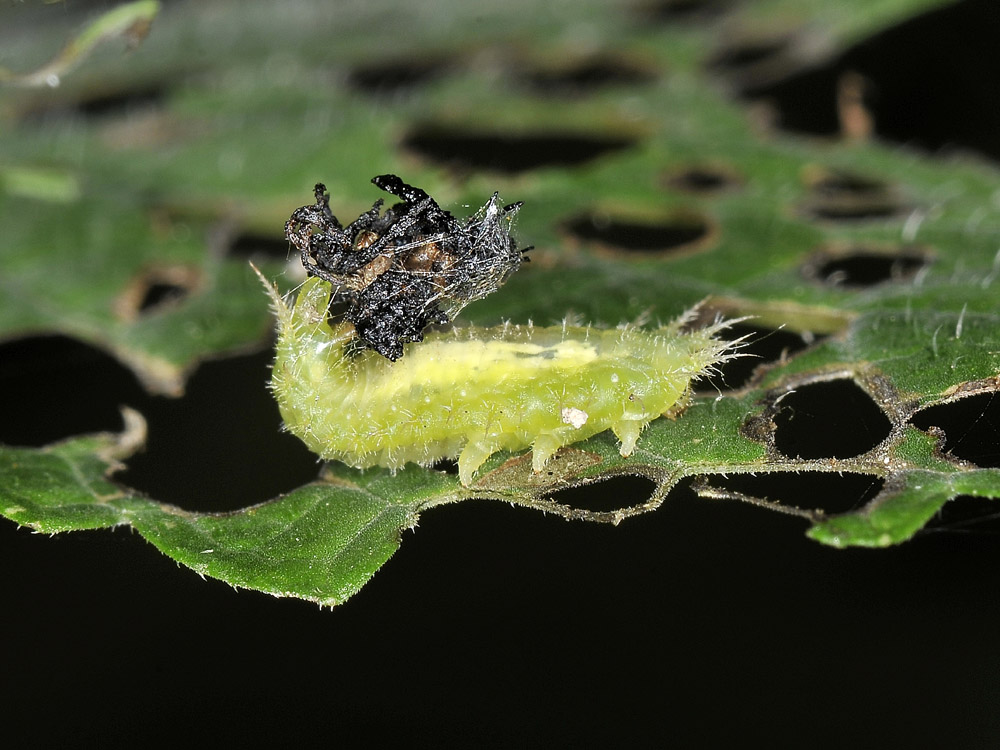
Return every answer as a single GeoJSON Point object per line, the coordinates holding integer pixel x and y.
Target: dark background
{"type": "Point", "coordinates": [706, 622]}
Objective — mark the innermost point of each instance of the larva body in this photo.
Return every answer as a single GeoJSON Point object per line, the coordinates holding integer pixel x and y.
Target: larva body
{"type": "Point", "coordinates": [471, 392]}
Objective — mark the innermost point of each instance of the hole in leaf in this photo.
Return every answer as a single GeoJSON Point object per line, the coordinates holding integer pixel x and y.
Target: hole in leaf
{"type": "Point", "coordinates": [858, 267]}
{"type": "Point", "coordinates": [253, 246]}
{"type": "Point", "coordinates": [839, 184]}
{"type": "Point", "coordinates": [966, 514]}
{"type": "Point", "coordinates": [971, 426]}
{"type": "Point", "coordinates": [156, 289]}
{"type": "Point", "coordinates": [829, 420]}
{"type": "Point", "coordinates": [220, 447]}
{"type": "Point", "coordinates": [675, 233]}
{"type": "Point", "coordinates": [122, 102]}
{"type": "Point", "coordinates": [702, 179]}
{"type": "Point", "coordinates": [918, 87]}
{"type": "Point", "coordinates": [829, 492]}
{"type": "Point", "coordinates": [54, 387]}
{"type": "Point", "coordinates": [740, 56]}
{"type": "Point", "coordinates": [852, 209]}
{"type": "Point", "coordinates": [667, 11]}
{"type": "Point", "coordinates": [763, 346]}
{"type": "Point", "coordinates": [509, 152]}
{"type": "Point", "coordinates": [446, 465]}
{"type": "Point", "coordinates": [103, 104]}
{"type": "Point", "coordinates": [395, 76]}
{"type": "Point", "coordinates": [842, 196]}
{"type": "Point", "coordinates": [607, 495]}
{"type": "Point", "coordinates": [160, 293]}
{"type": "Point", "coordinates": [585, 75]}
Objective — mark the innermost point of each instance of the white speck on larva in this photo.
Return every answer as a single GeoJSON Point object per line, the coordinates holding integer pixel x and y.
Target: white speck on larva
{"type": "Point", "coordinates": [575, 417]}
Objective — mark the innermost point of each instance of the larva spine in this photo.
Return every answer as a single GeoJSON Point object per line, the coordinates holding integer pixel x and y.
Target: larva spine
{"type": "Point", "coordinates": [470, 392]}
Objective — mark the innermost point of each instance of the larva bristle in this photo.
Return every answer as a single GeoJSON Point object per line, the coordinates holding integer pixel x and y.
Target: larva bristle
{"type": "Point", "coordinates": [281, 310]}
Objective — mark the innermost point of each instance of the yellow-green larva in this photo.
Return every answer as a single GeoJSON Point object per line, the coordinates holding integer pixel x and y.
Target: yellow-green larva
{"type": "Point", "coordinates": [470, 392]}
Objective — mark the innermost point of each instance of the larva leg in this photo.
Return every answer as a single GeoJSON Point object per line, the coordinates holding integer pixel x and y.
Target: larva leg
{"type": "Point", "coordinates": [627, 431]}
{"type": "Point", "coordinates": [542, 450]}
{"type": "Point", "coordinates": [680, 406]}
{"type": "Point", "coordinates": [472, 457]}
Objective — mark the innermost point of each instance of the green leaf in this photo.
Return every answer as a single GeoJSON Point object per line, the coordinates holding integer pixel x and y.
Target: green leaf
{"type": "Point", "coordinates": [321, 542]}
{"type": "Point", "coordinates": [229, 120]}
